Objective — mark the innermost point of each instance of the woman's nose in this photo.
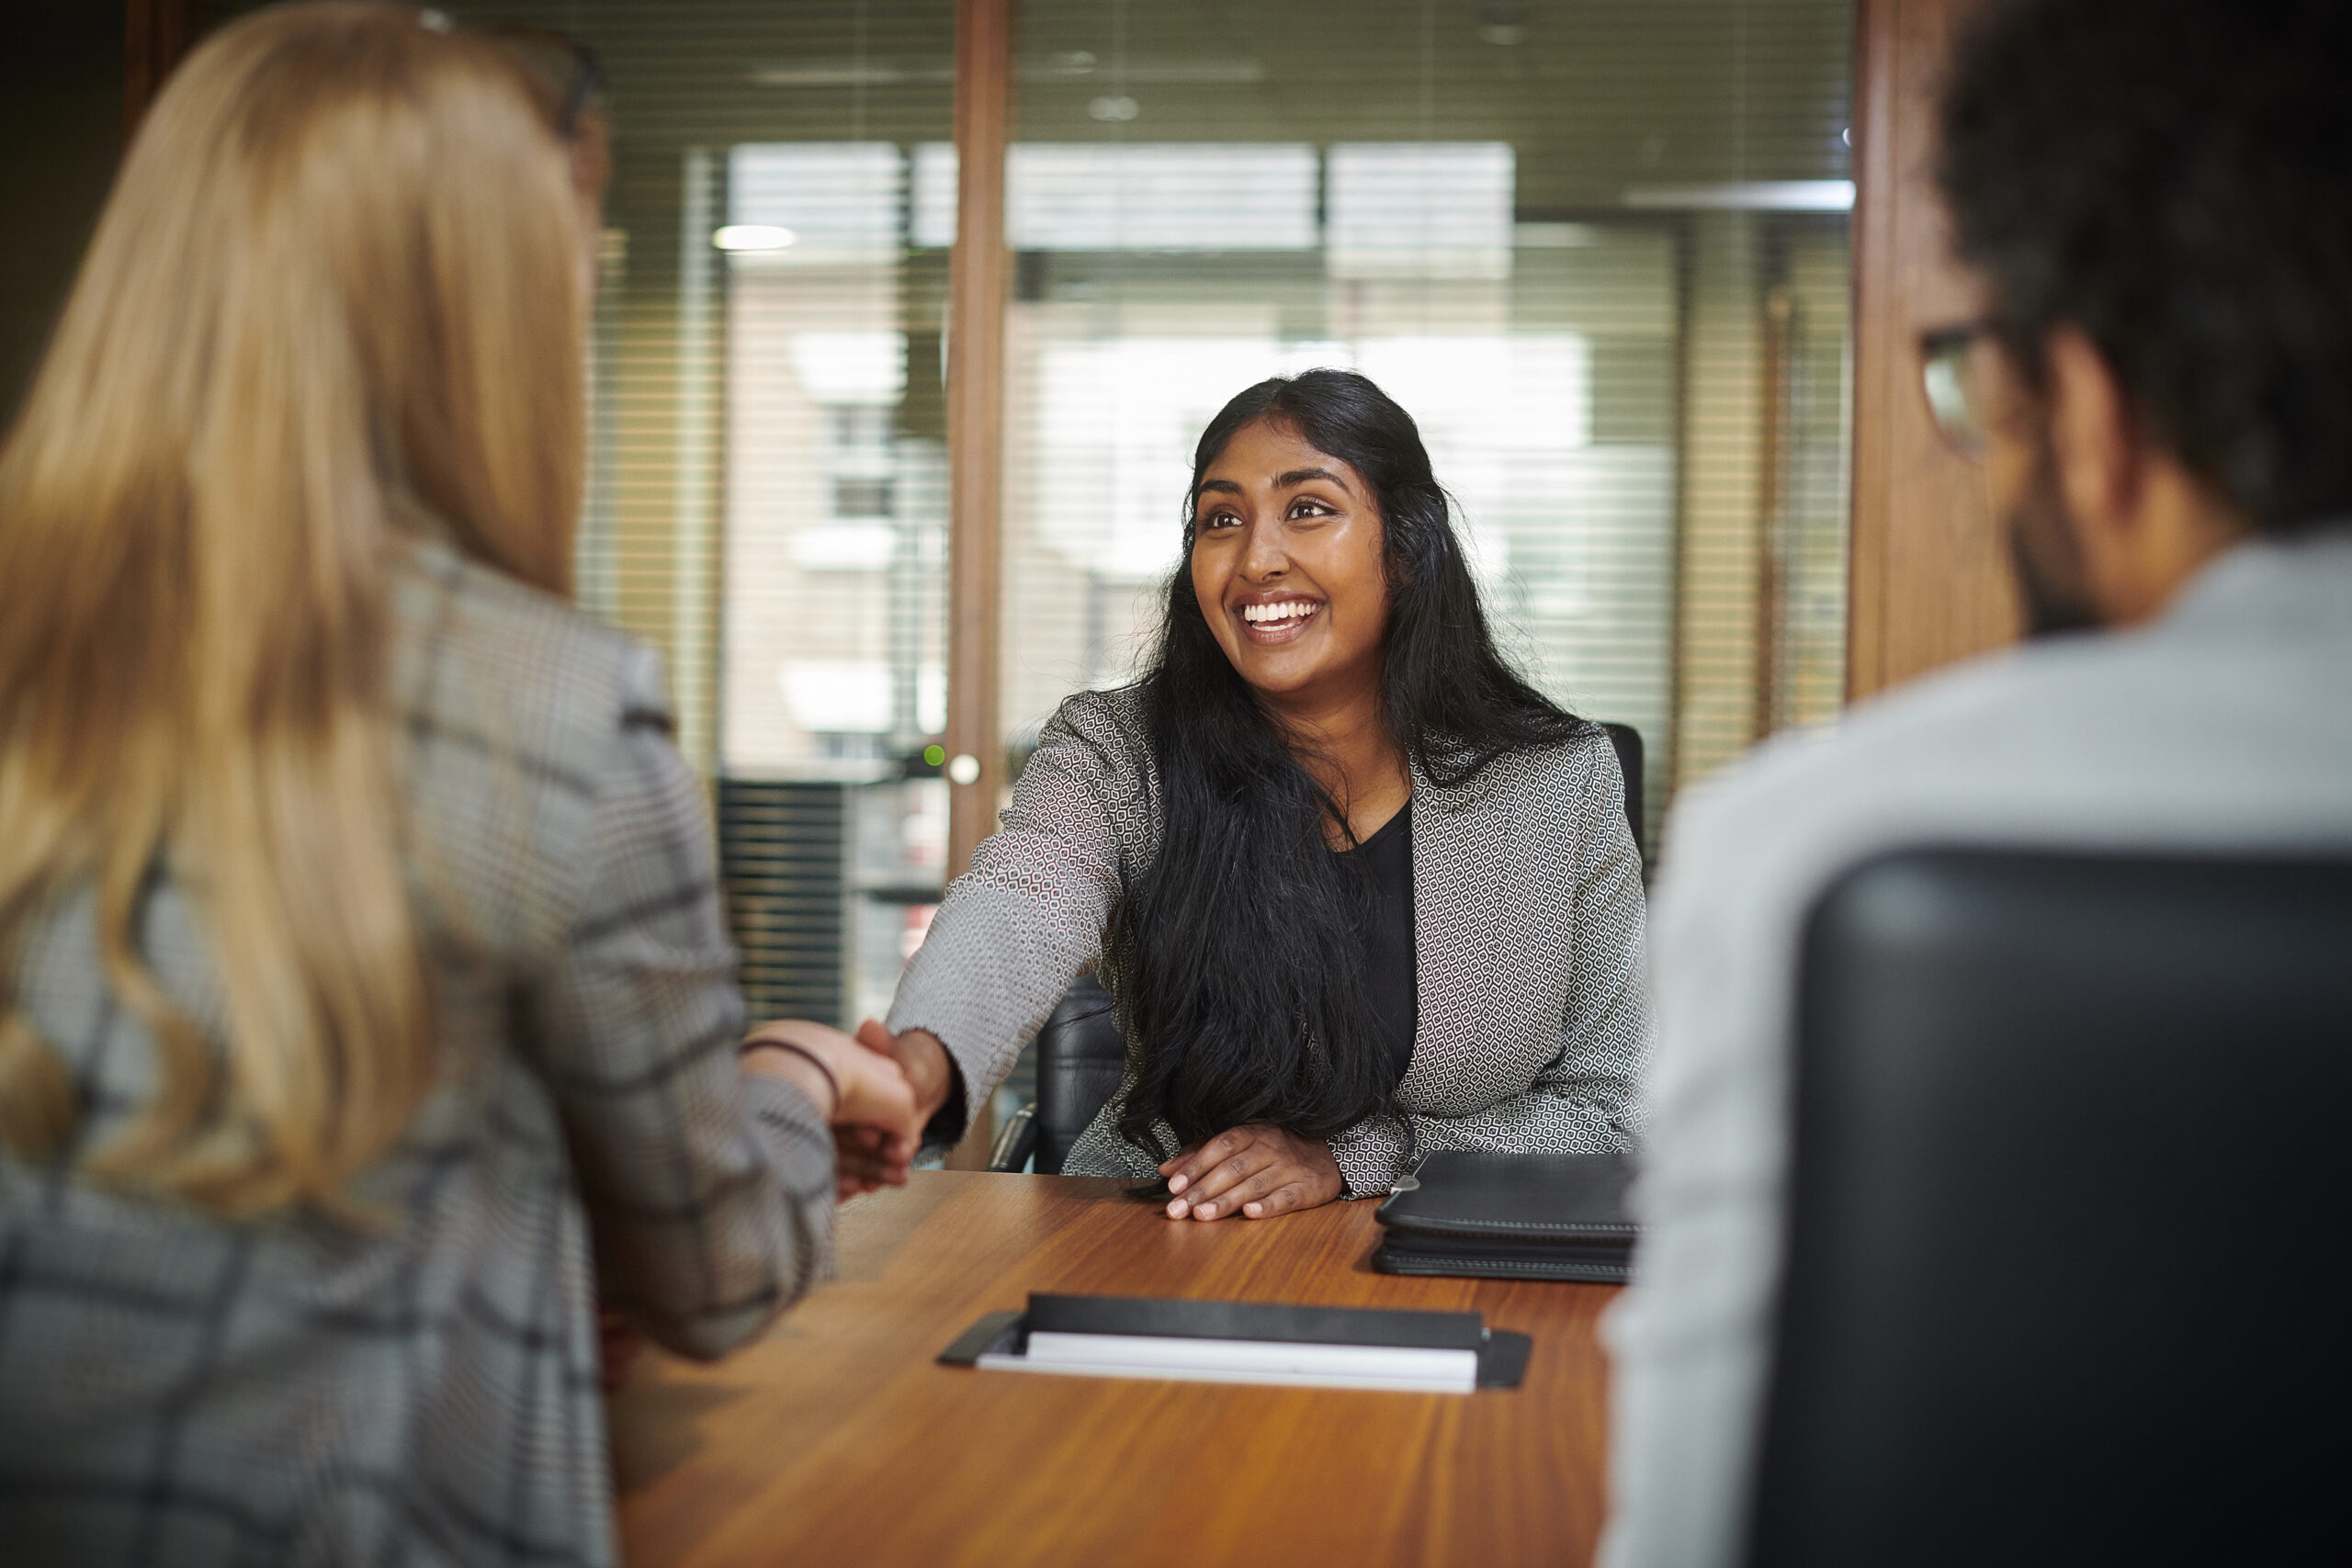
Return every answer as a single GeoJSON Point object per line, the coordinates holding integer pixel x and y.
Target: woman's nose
{"type": "Point", "coordinates": [1263, 554]}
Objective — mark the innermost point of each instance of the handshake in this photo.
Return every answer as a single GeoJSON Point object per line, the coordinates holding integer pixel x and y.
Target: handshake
{"type": "Point", "coordinates": [877, 1090]}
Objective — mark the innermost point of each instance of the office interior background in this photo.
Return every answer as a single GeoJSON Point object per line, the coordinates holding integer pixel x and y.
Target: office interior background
{"type": "Point", "coordinates": [1600, 250]}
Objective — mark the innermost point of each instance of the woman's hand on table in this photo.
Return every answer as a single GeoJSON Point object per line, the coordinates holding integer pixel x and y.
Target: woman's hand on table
{"type": "Point", "coordinates": [1255, 1171]}
{"type": "Point", "coordinates": [876, 1120]}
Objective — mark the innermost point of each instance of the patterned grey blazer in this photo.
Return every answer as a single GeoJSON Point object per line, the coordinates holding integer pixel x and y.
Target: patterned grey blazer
{"type": "Point", "coordinates": [178, 1389]}
{"type": "Point", "coordinates": [1527, 913]}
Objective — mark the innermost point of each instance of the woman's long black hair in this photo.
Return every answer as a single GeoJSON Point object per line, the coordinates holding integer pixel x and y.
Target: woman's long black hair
{"type": "Point", "coordinates": [1239, 953]}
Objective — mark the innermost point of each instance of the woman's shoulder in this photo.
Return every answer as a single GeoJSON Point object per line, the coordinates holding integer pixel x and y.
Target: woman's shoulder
{"type": "Point", "coordinates": [478, 652]}
{"type": "Point", "coordinates": [531, 726]}
{"type": "Point", "coordinates": [1091, 773]}
{"type": "Point", "coordinates": [1580, 766]}
{"type": "Point", "coordinates": [1107, 732]}
{"type": "Point", "coordinates": [1108, 712]}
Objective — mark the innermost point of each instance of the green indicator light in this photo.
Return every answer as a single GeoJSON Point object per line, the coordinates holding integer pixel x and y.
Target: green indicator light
{"type": "Point", "coordinates": [935, 755]}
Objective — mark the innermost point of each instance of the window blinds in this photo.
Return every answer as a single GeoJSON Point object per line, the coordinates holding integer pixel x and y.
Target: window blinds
{"type": "Point", "coordinates": [1597, 248]}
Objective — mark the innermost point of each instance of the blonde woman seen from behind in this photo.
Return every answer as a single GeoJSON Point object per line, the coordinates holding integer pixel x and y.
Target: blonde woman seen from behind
{"type": "Point", "coordinates": [364, 999]}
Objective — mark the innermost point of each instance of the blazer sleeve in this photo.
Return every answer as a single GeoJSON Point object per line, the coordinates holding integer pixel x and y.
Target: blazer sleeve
{"type": "Point", "coordinates": [1586, 1099]}
{"type": "Point", "coordinates": [709, 1194]}
{"type": "Point", "coordinates": [1027, 920]}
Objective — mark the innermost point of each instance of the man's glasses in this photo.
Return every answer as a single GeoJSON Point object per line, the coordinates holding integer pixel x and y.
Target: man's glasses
{"type": "Point", "coordinates": [1951, 371]}
{"type": "Point", "coordinates": [574, 75]}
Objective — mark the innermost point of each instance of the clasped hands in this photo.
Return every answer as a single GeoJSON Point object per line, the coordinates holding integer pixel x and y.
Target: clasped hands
{"type": "Point", "coordinates": [884, 1089]}
{"type": "Point", "coordinates": [873, 1104]}
{"type": "Point", "coordinates": [876, 1102]}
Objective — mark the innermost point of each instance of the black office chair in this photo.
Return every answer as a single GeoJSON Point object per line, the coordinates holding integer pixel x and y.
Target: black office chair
{"type": "Point", "coordinates": [1080, 1055]}
{"type": "Point", "coordinates": [2073, 1187]}
{"type": "Point", "coordinates": [1627, 742]}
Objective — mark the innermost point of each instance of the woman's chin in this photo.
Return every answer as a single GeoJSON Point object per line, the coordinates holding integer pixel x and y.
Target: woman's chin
{"type": "Point", "coordinates": [1291, 681]}
{"type": "Point", "coordinates": [1275, 672]}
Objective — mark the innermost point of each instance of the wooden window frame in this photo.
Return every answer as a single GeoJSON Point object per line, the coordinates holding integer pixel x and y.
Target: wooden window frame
{"type": "Point", "coordinates": [978, 272]}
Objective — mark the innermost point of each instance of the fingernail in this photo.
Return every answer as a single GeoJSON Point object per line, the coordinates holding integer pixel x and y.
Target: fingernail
{"type": "Point", "coordinates": [1208, 1210]}
{"type": "Point", "coordinates": [1177, 1183]}
{"type": "Point", "coordinates": [1252, 1210]}
{"type": "Point", "coordinates": [1176, 1210]}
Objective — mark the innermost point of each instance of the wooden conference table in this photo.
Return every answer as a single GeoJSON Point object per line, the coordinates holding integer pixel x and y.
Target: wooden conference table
{"type": "Point", "coordinates": [837, 1438]}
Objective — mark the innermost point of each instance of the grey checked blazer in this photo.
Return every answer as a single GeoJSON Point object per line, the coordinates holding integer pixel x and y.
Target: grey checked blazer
{"type": "Point", "coordinates": [1527, 912]}
{"type": "Point", "coordinates": [177, 1389]}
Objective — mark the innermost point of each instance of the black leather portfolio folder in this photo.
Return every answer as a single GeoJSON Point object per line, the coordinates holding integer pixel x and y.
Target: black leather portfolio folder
{"type": "Point", "coordinates": [1512, 1216]}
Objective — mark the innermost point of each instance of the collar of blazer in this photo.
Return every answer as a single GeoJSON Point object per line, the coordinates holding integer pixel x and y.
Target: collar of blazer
{"type": "Point", "coordinates": [1461, 838]}
{"type": "Point", "coordinates": [1428, 795]}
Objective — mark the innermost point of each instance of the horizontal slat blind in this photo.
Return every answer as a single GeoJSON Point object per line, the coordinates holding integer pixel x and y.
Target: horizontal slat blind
{"type": "Point", "coordinates": [1598, 248]}
{"type": "Point", "coordinates": [1560, 235]}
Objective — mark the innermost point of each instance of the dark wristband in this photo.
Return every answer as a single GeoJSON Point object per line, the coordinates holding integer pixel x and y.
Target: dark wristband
{"type": "Point", "coordinates": [811, 1057]}
{"type": "Point", "coordinates": [947, 1125]}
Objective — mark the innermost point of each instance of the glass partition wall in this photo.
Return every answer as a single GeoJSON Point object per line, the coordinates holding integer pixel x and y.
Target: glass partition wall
{"type": "Point", "coordinates": [1599, 249]}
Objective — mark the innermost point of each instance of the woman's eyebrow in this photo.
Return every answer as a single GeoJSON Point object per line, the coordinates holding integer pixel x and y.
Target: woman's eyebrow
{"type": "Point", "coordinates": [1282, 481]}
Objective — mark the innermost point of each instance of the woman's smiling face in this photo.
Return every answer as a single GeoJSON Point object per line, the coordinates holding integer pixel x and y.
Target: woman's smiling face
{"type": "Point", "coordinates": [1289, 567]}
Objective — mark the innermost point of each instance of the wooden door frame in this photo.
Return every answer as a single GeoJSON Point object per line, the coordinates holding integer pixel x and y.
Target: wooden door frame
{"type": "Point", "coordinates": [155, 34]}
{"type": "Point", "coordinates": [978, 272]}
{"type": "Point", "coordinates": [978, 276]}
{"type": "Point", "coordinates": [1927, 575]}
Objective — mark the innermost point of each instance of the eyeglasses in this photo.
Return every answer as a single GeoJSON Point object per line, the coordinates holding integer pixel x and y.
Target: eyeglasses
{"type": "Point", "coordinates": [569, 70]}
{"type": "Point", "coordinates": [1950, 372]}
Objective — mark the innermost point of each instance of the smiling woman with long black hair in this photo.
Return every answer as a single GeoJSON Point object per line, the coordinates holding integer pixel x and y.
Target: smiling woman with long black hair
{"type": "Point", "coordinates": [1359, 891]}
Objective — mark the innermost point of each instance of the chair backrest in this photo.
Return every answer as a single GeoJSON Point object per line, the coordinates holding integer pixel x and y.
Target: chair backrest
{"type": "Point", "coordinates": [1080, 1056]}
{"type": "Point", "coordinates": [2065, 1277]}
{"type": "Point", "coordinates": [1627, 742]}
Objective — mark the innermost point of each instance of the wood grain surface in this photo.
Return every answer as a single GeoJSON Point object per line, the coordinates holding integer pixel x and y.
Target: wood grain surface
{"type": "Point", "coordinates": [837, 1438]}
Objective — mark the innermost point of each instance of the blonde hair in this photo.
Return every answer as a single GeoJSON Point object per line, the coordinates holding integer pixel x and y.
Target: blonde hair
{"type": "Point", "coordinates": [336, 288]}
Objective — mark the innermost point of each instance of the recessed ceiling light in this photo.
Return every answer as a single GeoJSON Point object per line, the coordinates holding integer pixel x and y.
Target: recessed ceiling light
{"type": "Point", "coordinates": [1121, 108]}
{"type": "Point", "coordinates": [1504, 25]}
{"type": "Point", "coordinates": [753, 237]}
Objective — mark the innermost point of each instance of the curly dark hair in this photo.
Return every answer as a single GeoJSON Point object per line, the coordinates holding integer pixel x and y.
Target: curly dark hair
{"type": "Point", "coordinates": [2174, 178]}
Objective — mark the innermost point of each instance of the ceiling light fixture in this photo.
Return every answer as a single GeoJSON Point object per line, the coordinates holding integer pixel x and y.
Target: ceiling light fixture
{"type": "Point", "coordinates": [1503, 25]}
{"type": "Point", "coordinates": [753, 237]}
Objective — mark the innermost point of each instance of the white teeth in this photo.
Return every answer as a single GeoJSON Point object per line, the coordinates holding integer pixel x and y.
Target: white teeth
{"type": "Point", "coordinates": [1295, 610]}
